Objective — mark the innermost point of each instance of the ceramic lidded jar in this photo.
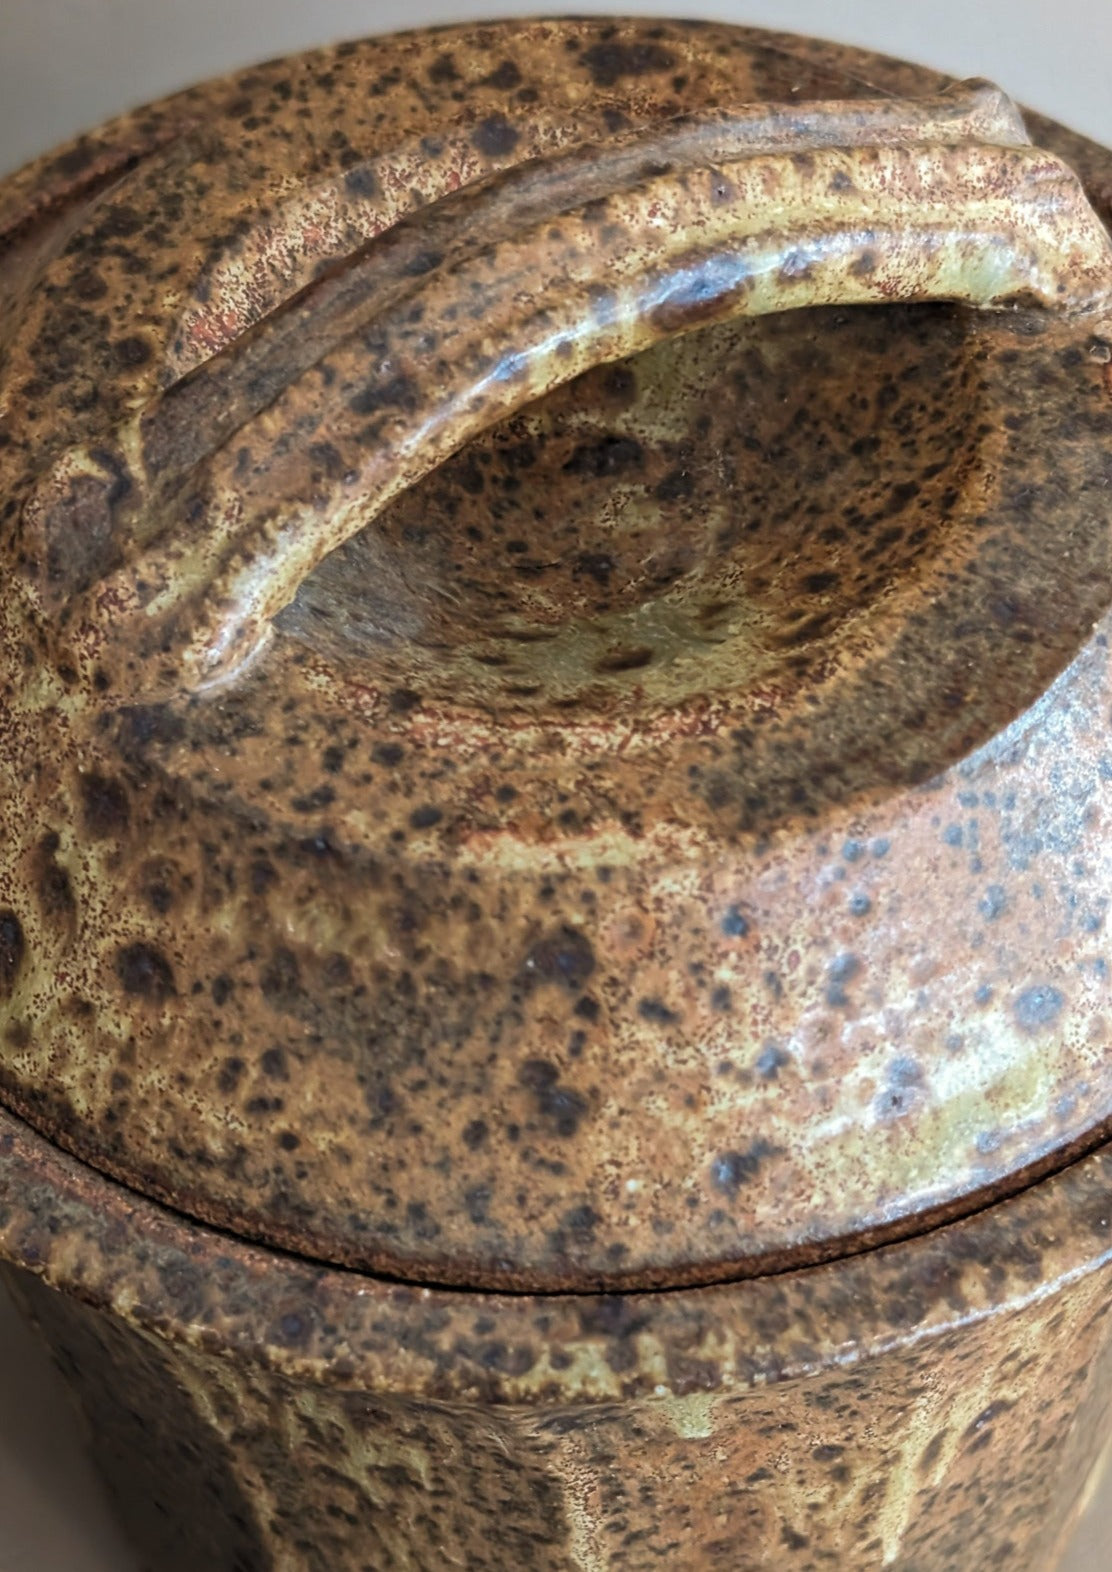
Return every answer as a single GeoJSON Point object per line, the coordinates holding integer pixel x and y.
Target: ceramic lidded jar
{"type": "Point", "coordinates": [554, 752]}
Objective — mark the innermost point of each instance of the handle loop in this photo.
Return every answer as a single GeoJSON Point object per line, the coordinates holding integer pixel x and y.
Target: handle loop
{"type": "Point", "coordinates": [219, 498]}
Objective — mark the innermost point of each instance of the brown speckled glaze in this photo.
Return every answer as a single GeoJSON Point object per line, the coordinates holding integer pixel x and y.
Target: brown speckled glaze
{"type": "Point", "coordinates": [929, 1406]}
{"type": "Point", "coordinates": [554, 741]}
{"type": "Point", "coordinates": [619, 848]}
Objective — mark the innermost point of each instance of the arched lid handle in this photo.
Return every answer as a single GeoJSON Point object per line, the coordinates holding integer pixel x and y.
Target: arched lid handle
{"type": "Point", "coordinates": [215, 502]}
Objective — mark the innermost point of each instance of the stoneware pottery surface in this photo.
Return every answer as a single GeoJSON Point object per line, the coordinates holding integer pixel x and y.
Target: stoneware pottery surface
{"type": "Point", "coordinates": [554, 747]}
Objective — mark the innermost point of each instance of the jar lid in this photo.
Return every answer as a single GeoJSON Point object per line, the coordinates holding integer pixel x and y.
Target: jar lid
{"type": "Point", "coordinates": [554, 651]}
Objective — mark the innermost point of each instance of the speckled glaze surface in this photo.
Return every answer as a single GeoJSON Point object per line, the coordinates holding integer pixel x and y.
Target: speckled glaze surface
{"type": "Point", "coordinates": [554, 654]}
{"type": "Point", "coordinates": [639, 834]}
{"type": "Point", "coordinates": [929, 1406]}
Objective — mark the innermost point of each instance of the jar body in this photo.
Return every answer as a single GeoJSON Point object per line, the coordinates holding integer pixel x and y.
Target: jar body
{"type": "Point", "coordinates": [931, 1405]}
{"type": "Point", "coordinates": [958, 1429]}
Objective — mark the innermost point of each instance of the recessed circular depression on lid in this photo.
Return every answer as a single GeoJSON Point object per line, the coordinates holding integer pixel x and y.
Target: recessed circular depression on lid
{"type": "Point", "coordinates": [651, 827]}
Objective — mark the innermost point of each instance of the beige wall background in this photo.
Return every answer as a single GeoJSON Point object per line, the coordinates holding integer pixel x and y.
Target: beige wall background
{"type": "Point", "coordinates": [65, 64]}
